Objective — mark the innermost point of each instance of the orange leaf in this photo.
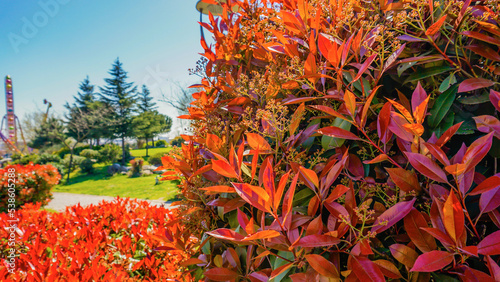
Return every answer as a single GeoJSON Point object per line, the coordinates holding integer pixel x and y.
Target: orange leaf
{"type": "Point", "coordinates": [350, 102]}
{"type": "Point", "coordinates": [435, 26]}
{"type": "Point", "coordinates": [222, 167]}
{"type": "Point", "coordinates": [257, 142]}
{"type": "Point", "coordinates": [453, 217]}
{"type": "Point", "coordinates": [422, 240]}
{"type": "Point", "coordinates": [220, 274]}
{"type": "Point", "coordinates": [322, 266]}
{"type": "Point", "coordinates": [404, 254]}
{"type": "Point", "coordinates": [219, 189]}
{"type": "Point", "coordinates": [309, 177]}
{"type": "Point", "coordinates": [255, 196]}
{"type": "Point", "coordinates": [264, 234]}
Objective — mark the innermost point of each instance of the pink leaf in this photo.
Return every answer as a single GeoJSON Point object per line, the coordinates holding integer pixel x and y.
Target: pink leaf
{"type": "Point", "coordinates": [495, 99]}
{"type": "Point", "coordinates": [366, 270]}
{"type": "Point", "coordinates": [490, 245]}
{"type": "Point", "coordinates": [473, 84]}
{"type": "Point", "coordinates": [392, 216]}
{"type": "Point", "coordinates": [432, 261]}
{"type": "Point", "coordinates": [417, 97]}
{"type": "Point", "coordinates": [488, 124]}
{"type": "Point", "coordinates": [490, 200]}
{"type": "Point", "coordinates": [316, 240]}
{"type": "Point", "coordinates": [426, 167]}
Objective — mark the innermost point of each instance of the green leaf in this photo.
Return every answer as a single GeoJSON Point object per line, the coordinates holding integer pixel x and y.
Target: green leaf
{"type": "Point", "coordinates": [441, 106]}
{"type": "Point", "coordinates": [428, 72]}
{"type": "Point", "coordinates": [404, 66]}
{"type": "Point", "coordinates": [302, 196]}
{"type": "Point", "coordinates": [446, 123]}
{"type": "Point", "coordinates": [328, 142]}
{"type": "Point", "coordinates": [475, 99]}
{"type": "Point", "coordinates": [443, 278]}
{"type": "Point", "coordinates": [280, 262]}
{"type": "Point", "coordinates": [447, 82]}
{"type": "Point", "coordinates": [469, 125]}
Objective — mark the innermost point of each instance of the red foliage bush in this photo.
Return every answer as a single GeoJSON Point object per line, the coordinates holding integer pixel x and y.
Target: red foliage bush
{"type": "Point", "coordinates": [346, 139]}
{"type": "Point", "coordinates": [112, 241]}
{"type": "Point", "coordinates": [32, 184]}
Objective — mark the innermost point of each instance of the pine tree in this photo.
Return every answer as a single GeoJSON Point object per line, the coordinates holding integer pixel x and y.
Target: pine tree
{"type": "Point", "coordinates": [144, 101]}
{"type": "Point", "coordinates": [87, 94]}
{"type": "Point", "coordinates": [121, 96]}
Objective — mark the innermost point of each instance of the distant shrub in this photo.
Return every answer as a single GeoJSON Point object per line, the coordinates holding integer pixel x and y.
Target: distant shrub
{"type": "Point", "coordinates": [90, 154]}
{"type": "Point", "coordinates": [87, 166]}
{"type": "Point", "coordinates": [177, 141]}
{"type": "Point", "coordinates": [77, 160]}
{"type": "Point", "coordinates": [78, 149]}
{"type": "Point", "coordinates": [109, 153]}
{"type": "Point", "coordinates": [21, 184]}
{"type": "Point", "coordinates": [156, 158]}
{"type": "Point", "coordinates": [24, 160]}
{"type": "Point", "coordinates": [47, 158]}
{"type": "Point", "coordinates": [160, 143]}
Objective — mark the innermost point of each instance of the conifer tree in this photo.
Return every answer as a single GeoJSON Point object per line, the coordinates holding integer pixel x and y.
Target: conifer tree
{"type": "Point", "coordinates": [145, 101]}
{"type": "Point", "coordinates": [121, 96]}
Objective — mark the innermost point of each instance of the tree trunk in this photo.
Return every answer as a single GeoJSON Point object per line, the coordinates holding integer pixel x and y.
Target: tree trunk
{"type": "Point", "coordinates": [123, 150]}
{"type": "Point", "coordinates": [147, 147]}
{"type": "Point", "coordinates": [70, 165]}
{"type": "Point", "coordinates": [97, 141]}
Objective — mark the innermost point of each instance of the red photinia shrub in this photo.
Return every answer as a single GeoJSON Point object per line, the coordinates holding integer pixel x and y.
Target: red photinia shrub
{"type": "Point", "coordinates": [28, 184]}
{"type": "Point", "coordinates": [112, 241]}
{"type": "Point", "coordinates": [346, 139]}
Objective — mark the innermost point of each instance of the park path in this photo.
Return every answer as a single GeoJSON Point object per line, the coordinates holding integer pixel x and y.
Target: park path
{"type": "Point", "coordinates": [63, 200]}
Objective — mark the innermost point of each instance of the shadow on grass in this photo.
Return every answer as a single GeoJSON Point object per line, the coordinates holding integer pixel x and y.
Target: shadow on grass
{"type": "Point", "coordinates": [100, 173]}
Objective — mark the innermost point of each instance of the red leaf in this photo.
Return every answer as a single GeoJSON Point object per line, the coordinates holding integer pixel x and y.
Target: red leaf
{"type": "Point", "coordinates": [350, 102]}
{"type": "Point", "coordinates": [495, 99]}
{"type": "Point", "coordinates": [328, 110]}
{"type": "Point", "coordinates": [309, 177]}
{"type": "Point", "coordinates": [487, 185]}
{"type": "Point", "coordinates": [254, 195]}
{"type": "Point", "coordinates": [422, 240]}
{"type": "Point", "coordinates": [432, 261]}
{"type": "Point", "coordinates": [338, 132]}
{"type": "Point", "coordinates": [392, 215]}
{"type": "Point", "coordinates": [312, 241]}
{"type": "Point", "coordinates": [336, 193]}
{"type": "Point", "coordinates": [220, 274]}
{"type": "Point", "coordinates": [490, 245]}
{"type": "Point", "coordinates": [448, 134]}
{"type": "Point", "coordinates": [490, 200]}
{"type": "Point", "coordinates": [477, 151]}
{"type": "Point", "coordinates": [437, 153]}
{"type": "Point", "coordinates": [280, 270]}
{"type": "Point", "coordinates": [322, 266]}
{"type": "Point", "coordinates": [418, 97]}
{"type": "Point", "coordinates": [440, 235]}
{"type": "Point", "coordinates": [226, 234]}
{"type": "Point", "coordinates": [484, 51]}
{"type": "Point", "coordinates": [257, 142]}
{"type": "Point", "coordinates": [435, 26]}
{"type": "Point", "coordinates": [426, 166]}
{"type": "Point", "coordinates": [288, 203]}
{"type": "Point", "coordinates": [364, 67]}
{"type": "Point", "coordinates": [281, 189]}
{"type": "Point", "coordinates": [473, 84]}
{"type": "Point", "coordinates": [404, 179]}
{"type": "Point", "coordinates": [494, 268]}
{"type": "Point", "coordinates": [383, 121]}
{"type": "Point", "coordinates": [481, 37]}
{"type": "Point", "coordinates": [366, 270]}
{"type": "Point", "coordinates": [397, 126]}
{"type": "Point", "coordinates": [378, 159]}
{"type": "Point", "coordinates": [268, 179]}
{"type": "Point", "coordinates": [403, 254]}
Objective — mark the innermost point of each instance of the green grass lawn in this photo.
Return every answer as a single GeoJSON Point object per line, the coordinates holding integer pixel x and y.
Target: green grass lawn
{"type": "Point", "coordinates": [99, 183]}
{"type": "Point", "coordinates": [151, 151]}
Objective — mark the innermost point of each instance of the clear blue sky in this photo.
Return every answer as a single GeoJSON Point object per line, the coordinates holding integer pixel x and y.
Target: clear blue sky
{"type": "Point", "coordinates": [49, 46]}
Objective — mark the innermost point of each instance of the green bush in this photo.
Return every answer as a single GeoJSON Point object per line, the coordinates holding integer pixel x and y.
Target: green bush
{"type": "Point", "coordinates": [24, 160]}
{"type": "Point", "coordinates": [47, 158]}
{"type": "Point", "coordinates": [160, 143]}
{"type": "Point", "coordinates": [156, 158]}
{"type": "Point", "coordinates": [110, 153]}
{"type": "Point", "coordinates": [87, 166]}
{"type": "Point", "coordinates": [77, 160]}
{"type": "Point", "coordinates": [177, 141]}
{"type": "Point", "coordinates": [78, 149]}
{"type": "Point", "coordinates": [90, 154]}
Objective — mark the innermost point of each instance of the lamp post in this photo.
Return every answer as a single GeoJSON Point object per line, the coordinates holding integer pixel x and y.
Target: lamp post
{"type": "Point", "coordinates": [205, 8]}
